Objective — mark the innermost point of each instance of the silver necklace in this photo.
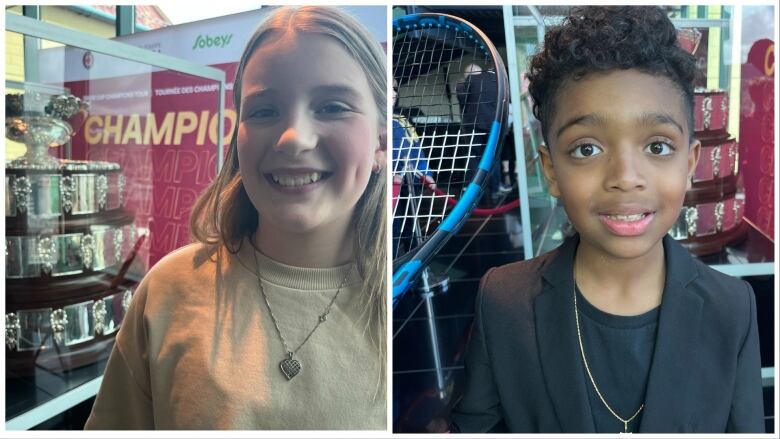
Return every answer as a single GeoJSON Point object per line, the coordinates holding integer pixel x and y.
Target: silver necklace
{"type": "Point", "coordinates": [290, 366]}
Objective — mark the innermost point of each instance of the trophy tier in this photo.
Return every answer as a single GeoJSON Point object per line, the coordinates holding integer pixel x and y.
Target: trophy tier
{"type": "Point", "coordinates": [77, 190]}
{"type": "Point", "coordinates": [712, 213]}
{"type": "Point", "coordinates": [710, 114]}
{"type": "Point", "coordinates": [69, 242]}
{"type": "Point", "coordinates": [69, 329]}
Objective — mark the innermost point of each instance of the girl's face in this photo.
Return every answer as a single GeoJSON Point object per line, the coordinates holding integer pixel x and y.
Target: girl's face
{"type": "Point", "coordinates": [309, 133]}
{"type": "Point", "coordinates": [619, 159]}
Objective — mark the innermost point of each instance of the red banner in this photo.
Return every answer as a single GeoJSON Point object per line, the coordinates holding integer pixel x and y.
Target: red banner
{"type": "Point", "coordinates": [161, 128]}
{"type": "Point", "coordinates": [757, 132]}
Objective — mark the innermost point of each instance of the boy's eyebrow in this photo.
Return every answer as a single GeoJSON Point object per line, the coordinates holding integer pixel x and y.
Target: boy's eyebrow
{"type": "Point", "coordinates": [646, 119]}
{"type": "Point", "coordinates": [587, 119]}
{"type": "Point", "coordinates": [651, 118]}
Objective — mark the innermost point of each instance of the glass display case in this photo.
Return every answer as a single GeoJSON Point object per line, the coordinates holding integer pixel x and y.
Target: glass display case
{"type": "Point", "coordinates": [107, 149]}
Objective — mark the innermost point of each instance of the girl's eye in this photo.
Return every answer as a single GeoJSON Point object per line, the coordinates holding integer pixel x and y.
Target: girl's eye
{"type": "Point", "coordinates": [263, 113]}
{"type": "Point", "coordinates": [585, 150]}
{"type": "Point", "coordinates": [333, 108]}
{"type": "Point", "coordinates": [659, 148]}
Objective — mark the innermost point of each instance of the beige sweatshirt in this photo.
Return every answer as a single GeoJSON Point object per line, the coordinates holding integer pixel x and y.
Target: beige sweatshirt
{"type": "Point", "coordinates": [198, 350]}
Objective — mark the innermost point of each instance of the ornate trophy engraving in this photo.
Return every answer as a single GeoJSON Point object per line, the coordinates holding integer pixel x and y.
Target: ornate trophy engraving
{"type": "Point", "coordinates": [40, 128]}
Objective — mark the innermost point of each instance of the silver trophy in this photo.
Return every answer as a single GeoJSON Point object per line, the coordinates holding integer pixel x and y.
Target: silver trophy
{"type": "Point", "coordinates": [67, 232]}
{"type": "Point", "coordinates": [41, 125]}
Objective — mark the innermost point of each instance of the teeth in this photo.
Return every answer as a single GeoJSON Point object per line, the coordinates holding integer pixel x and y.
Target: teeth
{"type": "Point", "coordinates": [296, 180]}
{"type": "Point", "coordinates": [636, 217]}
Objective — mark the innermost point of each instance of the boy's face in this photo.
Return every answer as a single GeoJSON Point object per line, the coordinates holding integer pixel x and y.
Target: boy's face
{"type": "Point", "coordinates": [619, 159]}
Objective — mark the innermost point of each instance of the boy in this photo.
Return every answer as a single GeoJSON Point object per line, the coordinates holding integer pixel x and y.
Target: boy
{"type": "Point", "coordinates": [619, 329]}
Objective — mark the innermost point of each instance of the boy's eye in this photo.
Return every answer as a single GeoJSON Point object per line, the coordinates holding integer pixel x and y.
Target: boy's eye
{"type": "Point", "coordinates": [659, 148]}
{"type": "Point", "coordinates": [585, 150]}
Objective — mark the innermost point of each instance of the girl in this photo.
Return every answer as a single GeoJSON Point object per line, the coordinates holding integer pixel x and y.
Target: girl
{"type": "Point", "coordinates": [275, 318]}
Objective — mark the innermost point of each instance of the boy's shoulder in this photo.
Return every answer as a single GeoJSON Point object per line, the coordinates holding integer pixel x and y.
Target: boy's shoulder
{"type": "Point", "coordinates": [517, 281]}
{"type": "Point", "coordinates": [711, 275]}
{"type": "Point", "coordinates": [729, 295]}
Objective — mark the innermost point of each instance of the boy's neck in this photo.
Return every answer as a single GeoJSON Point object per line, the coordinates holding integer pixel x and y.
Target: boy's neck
{"type": "Point", "coordinates": [620, 286]}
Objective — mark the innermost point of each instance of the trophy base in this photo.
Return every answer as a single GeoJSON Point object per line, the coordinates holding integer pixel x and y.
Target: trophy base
{"type": "Point", "coordinates": [707, 245]}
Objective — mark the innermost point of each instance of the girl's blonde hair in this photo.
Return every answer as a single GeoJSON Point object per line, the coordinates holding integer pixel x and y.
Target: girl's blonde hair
{"type": "Point", "coordinates": [224, 215]}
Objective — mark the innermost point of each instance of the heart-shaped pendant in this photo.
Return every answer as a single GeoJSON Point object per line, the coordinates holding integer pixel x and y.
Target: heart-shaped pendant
{"type": "Point", "coordinates": [290, 367]}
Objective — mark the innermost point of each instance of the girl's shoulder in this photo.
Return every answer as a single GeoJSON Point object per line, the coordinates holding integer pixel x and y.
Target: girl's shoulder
{"type": "Point", "coordinates": [185, 262]}
{"type": "Point", "coordinates": [183, 272]}
{"type": "Point", "coordinates": [193, 277]}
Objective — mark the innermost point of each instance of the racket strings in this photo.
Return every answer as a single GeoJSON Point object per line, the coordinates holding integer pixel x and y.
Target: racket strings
{"type": "Point", "coordinates": [442, 137]}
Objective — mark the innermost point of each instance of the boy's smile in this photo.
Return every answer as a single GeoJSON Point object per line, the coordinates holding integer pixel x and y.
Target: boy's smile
{"type": "Point", "coordinates": [619, 159]}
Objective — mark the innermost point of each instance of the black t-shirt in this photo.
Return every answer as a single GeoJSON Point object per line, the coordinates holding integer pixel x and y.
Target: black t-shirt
{"type": "Point", "coordinates": [619, 350]}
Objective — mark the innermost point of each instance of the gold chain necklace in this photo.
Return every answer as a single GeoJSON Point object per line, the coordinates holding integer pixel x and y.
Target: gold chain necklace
{"type": "Point", "coordinates": [590, 375]}
{"type": "Point", "coordinates": [290, 366]}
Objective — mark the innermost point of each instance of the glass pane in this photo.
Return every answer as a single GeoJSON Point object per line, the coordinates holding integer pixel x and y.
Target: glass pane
{"type": "Point", "coordinates": [708, 32]}
{"type": "Point", "coordinates": [104, 160]}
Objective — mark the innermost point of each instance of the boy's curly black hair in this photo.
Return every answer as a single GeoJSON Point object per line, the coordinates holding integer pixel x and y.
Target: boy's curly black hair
{"type": "Point", "coordinates": [602, 38]}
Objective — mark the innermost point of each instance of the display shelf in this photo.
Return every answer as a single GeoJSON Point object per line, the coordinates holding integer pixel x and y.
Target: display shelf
{"type": "Point", "coordinates": [32, 401]}
{"type": "Point", "coordinates": [754, 256]}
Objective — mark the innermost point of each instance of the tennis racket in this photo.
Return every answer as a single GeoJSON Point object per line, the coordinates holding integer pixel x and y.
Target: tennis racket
{"type": "Point", "coordinates": [450, 141]}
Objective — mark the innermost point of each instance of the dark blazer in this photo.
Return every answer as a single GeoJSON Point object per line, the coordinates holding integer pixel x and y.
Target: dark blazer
{"type": "Point", "coordinates": [524, 370]}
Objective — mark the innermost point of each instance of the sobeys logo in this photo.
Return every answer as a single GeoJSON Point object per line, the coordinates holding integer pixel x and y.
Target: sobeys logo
{"type": "Point", "coordinates": [208, 41]}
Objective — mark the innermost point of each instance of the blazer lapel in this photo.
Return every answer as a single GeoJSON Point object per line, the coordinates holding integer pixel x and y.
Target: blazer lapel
{"type": "Point", "coordinates": [556, 335]}
{"type": "Point", "coordinates": [678, 330]}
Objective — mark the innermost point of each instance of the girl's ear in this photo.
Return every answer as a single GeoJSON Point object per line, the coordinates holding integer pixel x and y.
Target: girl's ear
{"type": "Point", "coordinates": [548, 170]}
{"type": "Point", "coordinates": [380, 153]}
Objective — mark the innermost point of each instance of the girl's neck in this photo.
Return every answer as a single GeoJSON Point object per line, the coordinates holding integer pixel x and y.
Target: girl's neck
{"type": "Point", "coordinates": [617, 285]}
{"type": "Point", "coordinates": [315, 249]}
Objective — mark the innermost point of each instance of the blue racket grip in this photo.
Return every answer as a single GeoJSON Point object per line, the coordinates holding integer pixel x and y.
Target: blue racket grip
{"type": "Point", "coordinates": [402, 279]}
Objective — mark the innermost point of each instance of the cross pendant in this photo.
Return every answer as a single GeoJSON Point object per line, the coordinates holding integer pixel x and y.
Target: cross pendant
{"type": "Point", "coordinates": [625, 428]}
